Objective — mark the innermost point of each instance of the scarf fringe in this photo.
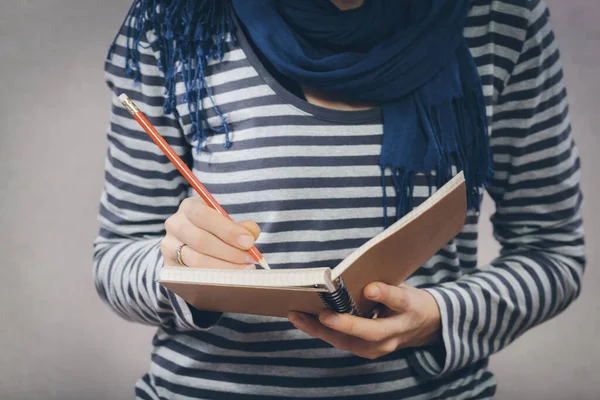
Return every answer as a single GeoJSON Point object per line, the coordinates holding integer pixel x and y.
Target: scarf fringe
{"type": "Point", "coordinates": [458, 144]}
{"type": "Point", "coordinates": [187, 34]}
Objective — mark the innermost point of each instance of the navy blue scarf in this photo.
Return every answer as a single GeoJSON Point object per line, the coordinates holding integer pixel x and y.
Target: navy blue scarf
{"type": "Point", "coordinates": [409, 56]}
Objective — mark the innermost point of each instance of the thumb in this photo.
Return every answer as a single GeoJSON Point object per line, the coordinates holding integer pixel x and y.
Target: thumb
{"type": "Point", "coordinates": [394, 297]}
{"type": "Point", "coordinates": [252, 227]}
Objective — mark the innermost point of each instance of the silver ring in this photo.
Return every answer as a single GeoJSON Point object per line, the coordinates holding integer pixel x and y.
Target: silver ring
{"type": "Point", "coordinates": [178, 255]}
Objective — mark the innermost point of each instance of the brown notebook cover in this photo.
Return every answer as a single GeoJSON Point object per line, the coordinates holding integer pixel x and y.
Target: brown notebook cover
{"type": "Point", "coordinates": [390, 257]}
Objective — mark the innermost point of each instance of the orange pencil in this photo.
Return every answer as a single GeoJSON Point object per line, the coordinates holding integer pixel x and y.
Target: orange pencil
{"type": "Point", "coordinates": [180, 165]}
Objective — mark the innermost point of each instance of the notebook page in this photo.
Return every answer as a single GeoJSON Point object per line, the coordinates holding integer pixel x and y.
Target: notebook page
{"type": "Point", "coordinates": [427, 204]}
{"type": "Point", "coordinates": [249, 278]}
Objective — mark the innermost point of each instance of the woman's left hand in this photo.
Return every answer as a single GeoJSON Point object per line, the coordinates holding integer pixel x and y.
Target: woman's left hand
{"type": "Point", "coordinates": [409, 317]}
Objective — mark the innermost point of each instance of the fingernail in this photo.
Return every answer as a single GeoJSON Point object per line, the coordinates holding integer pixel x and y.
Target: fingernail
{"type": "Point", "coordinates": [250, 266]}
{"type": "Point", "coordinates": [296, 319]}
{"type": "Point", "coordinates": [373, 292]}
{"type": "Point", "coordinates": [328, 318]}
{"type": "Point", "coordinates": [249, 259]}
{"type": "Point", "coordinates": [246, 241]}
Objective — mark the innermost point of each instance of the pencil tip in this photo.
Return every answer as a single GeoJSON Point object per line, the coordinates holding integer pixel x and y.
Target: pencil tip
{"type": "Point", "coordinates": [263, 263]}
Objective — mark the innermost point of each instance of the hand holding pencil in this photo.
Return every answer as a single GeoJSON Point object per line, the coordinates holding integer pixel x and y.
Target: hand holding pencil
{"type": "Point", "coordinates": [201, 233]}
{"type": "Point", "coordinates": [211, 240]}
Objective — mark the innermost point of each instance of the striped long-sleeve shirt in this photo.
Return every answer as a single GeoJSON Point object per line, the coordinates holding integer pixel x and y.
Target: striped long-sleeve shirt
{"type": "Point", "coordinates": [309, 177]}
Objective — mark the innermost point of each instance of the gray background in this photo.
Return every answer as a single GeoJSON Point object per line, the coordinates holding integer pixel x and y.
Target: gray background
{"type": "Point", "coordinates": [58, 341]}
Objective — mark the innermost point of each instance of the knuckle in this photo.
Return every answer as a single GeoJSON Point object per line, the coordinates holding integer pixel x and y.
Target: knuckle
{"type": "Point", "coordinates": [387, 347]}
{"type": "Point", "coordinates": [171, 224]}
{"type": "Point", "coordinates": [186, 204]}
{"type": "Point", "coordinates": [350, 324]}
{"type": "Point", "coordinates": [197, 243]}
{"type": "Point", "coordinates": [163, 246]}
{"type": "Point", "coordinates": [386, 332]}
{"type": "Point", "coordinates": [403, 300]}
{"type": "Point", "coordinates": [193, 209]}
{"type": "Point", "coordinates": [378, 336]}
{"type": "Point", "coordinates": [232, 230]}
{"type": "Point", "coordinates": [197, 213]}
{"type": "Point", "coordinates": [386, 293]}
{"type": "Point", "coordinates": [397, 299]}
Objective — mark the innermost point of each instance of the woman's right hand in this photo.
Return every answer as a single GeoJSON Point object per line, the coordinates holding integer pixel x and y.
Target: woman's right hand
{"type": "Point", "coordinates": [212, 240]}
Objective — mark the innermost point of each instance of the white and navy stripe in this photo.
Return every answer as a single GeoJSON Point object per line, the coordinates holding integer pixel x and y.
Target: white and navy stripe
{"type": "Point", "coordinates": [310, 178]}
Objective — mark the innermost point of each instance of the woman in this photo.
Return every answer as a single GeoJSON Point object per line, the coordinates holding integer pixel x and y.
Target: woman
{"type": "Point", "coordinates": [323, 121]}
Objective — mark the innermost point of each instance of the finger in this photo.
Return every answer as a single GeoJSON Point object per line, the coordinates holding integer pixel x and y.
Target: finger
{"type": "Point", "coordinates": [394, 297]}
{"type": "Point", "coordinates": [193, 259]}
{"type": "Point", "coordinates": [204, 242]}
{"type": "Point", "coordinates": [166, 248]}
{"type": "Point", "coordinates": [252, 227]}
{"type": "Point", "coordinates": [371, 330]}
{"type": "Point", "coordinates": [212, 221]}
{"type": "Point", "coordinates": [314, 328]}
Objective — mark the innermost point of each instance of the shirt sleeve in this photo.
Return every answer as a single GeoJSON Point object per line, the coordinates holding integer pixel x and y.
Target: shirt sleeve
{"type": "Point", "coordinates": [141, 190]}
{"type": "Point", "coordinates": [538, 219]}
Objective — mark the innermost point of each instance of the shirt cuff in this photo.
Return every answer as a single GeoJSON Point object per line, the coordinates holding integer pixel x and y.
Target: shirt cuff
{"type": "Point", "coordinates": [190, 317]}
{"type": "Point", "coordinates": [427, 361]}
{"type": "Point", "coordinates": [434, 361]}
{"type": "Point", "coordinates": [205, 319]}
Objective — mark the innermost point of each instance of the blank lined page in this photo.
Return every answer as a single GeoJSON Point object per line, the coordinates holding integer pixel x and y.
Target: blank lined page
{"type": "Point", "coordinates": [249, 278]}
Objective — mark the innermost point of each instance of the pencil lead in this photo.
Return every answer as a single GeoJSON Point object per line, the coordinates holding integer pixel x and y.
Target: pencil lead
{"type": "Point", "coordinates": [263, 263]}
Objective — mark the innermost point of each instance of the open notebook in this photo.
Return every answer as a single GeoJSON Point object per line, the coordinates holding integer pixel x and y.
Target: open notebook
{"type": "Point", "coordinates": [390, 257]}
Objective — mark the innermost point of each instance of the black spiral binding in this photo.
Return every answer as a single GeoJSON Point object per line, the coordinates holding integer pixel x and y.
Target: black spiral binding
{"type": "Point", "coordinates": [340, 300]}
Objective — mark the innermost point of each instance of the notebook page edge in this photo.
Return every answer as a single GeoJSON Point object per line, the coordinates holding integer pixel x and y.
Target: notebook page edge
{"type": "Point", "coordinates": [247, 278]}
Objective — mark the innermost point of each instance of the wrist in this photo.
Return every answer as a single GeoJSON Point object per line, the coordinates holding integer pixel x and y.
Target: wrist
{"type": "Point", "coordinates": [433, 320]}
